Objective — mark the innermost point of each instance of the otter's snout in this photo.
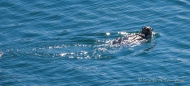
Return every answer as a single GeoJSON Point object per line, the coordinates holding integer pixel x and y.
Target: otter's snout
{"type": "Point", "coordinates": [147, 30]}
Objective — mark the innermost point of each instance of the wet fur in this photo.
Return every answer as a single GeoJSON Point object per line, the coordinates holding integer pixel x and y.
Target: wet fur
{"type": "Point", "coordinates": [145, 34]}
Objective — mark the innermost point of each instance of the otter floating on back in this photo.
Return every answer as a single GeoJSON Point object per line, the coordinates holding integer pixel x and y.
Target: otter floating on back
{"type": "Point", "coordinates": [146, 34]}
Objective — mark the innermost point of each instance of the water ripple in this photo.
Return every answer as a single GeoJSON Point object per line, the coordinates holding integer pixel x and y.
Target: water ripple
{"type": "Point", "coordinates": [66, 42]}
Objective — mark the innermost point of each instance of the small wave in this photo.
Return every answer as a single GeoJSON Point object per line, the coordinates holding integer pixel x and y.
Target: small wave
{"type": "Point", "coordinates": [1, 54]}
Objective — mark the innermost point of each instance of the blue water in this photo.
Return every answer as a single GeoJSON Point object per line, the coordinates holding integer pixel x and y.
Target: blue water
{"type": "Point", "coordinates": [68, 43]}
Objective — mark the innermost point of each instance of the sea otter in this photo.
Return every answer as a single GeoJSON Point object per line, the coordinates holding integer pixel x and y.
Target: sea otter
{"type": "Point", "coordinates": [146, 34]}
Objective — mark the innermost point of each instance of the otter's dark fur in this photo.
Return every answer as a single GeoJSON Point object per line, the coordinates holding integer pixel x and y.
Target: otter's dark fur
{"type": "Point", "coordinates": [145, 34]}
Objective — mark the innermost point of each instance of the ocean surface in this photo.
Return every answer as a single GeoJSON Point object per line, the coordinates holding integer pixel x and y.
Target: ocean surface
{"type": "Point", "coordinates": [69, 43]}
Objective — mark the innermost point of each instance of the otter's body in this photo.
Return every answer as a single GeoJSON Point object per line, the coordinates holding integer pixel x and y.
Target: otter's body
{"type": "Point", "coordinates": [145, 34]}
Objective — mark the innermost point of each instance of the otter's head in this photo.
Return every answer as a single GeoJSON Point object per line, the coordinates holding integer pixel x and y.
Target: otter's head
{"type": "Point", "coordinates": [147, 30]}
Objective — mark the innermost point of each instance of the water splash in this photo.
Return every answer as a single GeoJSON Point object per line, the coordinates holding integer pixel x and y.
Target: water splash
{"type": "Point", "coordinates": [1, 54]}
